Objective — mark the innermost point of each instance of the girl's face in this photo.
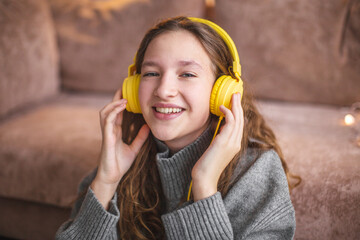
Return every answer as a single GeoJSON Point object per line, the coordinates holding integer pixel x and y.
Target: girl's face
{"type": "Point", "coordinates": [175, 88]}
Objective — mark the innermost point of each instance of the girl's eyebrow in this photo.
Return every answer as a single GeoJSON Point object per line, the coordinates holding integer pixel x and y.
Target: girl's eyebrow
{"type": "Point", "coordinates": [189, 62]}
{"type": "Point", "coordinates": [180, 63]}
{"type": "Point", "coordinates": [149, 63]}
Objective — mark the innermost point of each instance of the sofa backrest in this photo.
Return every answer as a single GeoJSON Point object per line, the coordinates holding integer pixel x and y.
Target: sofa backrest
{"type": "Point", "coordinates": [303, 51]}
{"type": "Point", "coordinates": [28, 54]}
{"type": "Point", "coordinates": [97, 43]}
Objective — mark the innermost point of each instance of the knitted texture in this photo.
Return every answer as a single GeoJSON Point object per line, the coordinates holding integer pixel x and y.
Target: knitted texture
{"type": "Point", "coordinates": [258, 205]}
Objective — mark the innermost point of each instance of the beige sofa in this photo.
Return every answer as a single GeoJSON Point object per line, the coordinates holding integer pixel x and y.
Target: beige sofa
{"type": "Point", "coordinates": [61, 61]}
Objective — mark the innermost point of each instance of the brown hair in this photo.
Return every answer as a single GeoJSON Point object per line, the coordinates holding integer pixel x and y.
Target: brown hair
{"type": "Point", "coordinates": [141, 198]}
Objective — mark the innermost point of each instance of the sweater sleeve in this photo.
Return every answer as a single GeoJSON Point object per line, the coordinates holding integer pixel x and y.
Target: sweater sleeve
{"type": "Point", "coordinates": [89, 219]}
{"type": "Point", "coordinates": [258, 206]}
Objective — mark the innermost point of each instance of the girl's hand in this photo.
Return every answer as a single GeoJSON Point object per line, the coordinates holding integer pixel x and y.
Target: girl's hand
{"type": "Point", "coordinates": [226, 145]}
{"type": "Point", "coordinates": [116, 157]}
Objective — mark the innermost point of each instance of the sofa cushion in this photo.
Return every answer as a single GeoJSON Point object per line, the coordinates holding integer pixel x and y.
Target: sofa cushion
{"type": "Point", "coordinates": [28, 55]}
{"type": "Point", "coordinates": [29, 220]}
{"type": "Point", "coordinates": [323, 151]}
{"type": "Point", "coordinates": [97, 43]}
{"type": "Point", "coordinates": [46, 152]}
{"type": "Point", "coordinates": [307, 51]}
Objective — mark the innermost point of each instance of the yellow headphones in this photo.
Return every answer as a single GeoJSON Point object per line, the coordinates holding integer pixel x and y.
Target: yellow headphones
{"type": "Point", "coordinates": [224, 87]}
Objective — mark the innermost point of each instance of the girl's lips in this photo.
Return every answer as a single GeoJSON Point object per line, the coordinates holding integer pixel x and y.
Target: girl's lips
{"type": "Point", "coordinates": [167, 116]}
{"type": "Point", "coordinates": [166, 105]}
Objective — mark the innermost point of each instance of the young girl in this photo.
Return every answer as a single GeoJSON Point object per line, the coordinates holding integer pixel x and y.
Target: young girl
{"type": "Point", "coordinates": [149, 162]}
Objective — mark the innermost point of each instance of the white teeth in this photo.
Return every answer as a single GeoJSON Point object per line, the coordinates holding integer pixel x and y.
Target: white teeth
{"type": "Point", "coordinates": [168, 110]}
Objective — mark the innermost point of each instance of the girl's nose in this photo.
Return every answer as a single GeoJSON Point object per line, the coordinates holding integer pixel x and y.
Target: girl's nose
{"type": "Point", "coordinates": [166, 87]}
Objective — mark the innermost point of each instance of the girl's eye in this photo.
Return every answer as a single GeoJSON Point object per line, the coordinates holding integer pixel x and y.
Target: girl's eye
{"type": "Point", "coordinates": [187, 75]}
{"type": "Point", "coordinates": [150, 74]}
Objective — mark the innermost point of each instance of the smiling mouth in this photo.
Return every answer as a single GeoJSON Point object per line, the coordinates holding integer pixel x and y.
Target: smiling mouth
{"type": "Point", "coordinates": [168, 110]}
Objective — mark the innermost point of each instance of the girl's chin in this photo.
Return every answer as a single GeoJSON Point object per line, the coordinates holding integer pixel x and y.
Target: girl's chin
{"type": "Point", "coordinates": [176, 136]}
{"type": "Point", "coordinates": [162, 136]}
{"type": "Point", "coordinates": [176, 141]}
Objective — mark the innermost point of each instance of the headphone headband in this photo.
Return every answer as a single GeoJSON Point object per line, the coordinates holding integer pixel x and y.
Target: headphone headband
{"type": "Point", "coordinates": [228, 41]}
{"type": "Point", "coordinates": [236, 67]}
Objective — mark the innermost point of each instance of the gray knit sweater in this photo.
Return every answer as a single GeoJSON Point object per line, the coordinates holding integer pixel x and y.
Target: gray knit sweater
{"type": "Point", "coordinates": [258, 206]}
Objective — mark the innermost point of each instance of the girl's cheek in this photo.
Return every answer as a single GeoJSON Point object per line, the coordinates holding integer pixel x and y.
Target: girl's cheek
{"type": "Point", "coordinates": [142, 94]}
{"type": "Point", "coordinates": [143, 87]}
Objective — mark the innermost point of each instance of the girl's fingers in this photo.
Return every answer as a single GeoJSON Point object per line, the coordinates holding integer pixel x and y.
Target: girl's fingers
{"type": "Point", "coordinates": [229, 121]}
{"type": "Point", "coordinates": [113, 104]}
{"type": "Point", "coordinates": [117, 95]}
{"type": "Point", "coordinates": [140, 139]}
{"type": "Point", "coordinates": [236, 106]}
{"type": "Point", "coordinates": [119, 117]}
{"type": "Point", "coordinates": [229, 117]}
{"type": "Point", "coordinates": [233, 119]}
{"type": "Point", "coordinates": [117, 101]}
{"type": "Point", "coordinates": [108, 108]}
{"type": "Point", "coordinates": [110, 119]}
{"type": "Point", "coordinates": [238, 113]}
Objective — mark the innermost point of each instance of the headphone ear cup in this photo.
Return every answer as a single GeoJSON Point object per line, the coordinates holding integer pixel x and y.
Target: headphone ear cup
{"type": "Point", "coordinates": [224, 87]}
{"type": "Point", "coordinates": [130, 91]}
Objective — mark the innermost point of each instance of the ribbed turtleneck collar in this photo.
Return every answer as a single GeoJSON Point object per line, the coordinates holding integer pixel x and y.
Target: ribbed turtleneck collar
{"type": "Point", "coordinates": [175, 170]}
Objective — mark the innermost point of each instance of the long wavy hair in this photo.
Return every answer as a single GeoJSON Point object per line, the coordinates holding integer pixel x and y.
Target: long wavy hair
{"type": "Point", "coordinates": [141, 200]}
